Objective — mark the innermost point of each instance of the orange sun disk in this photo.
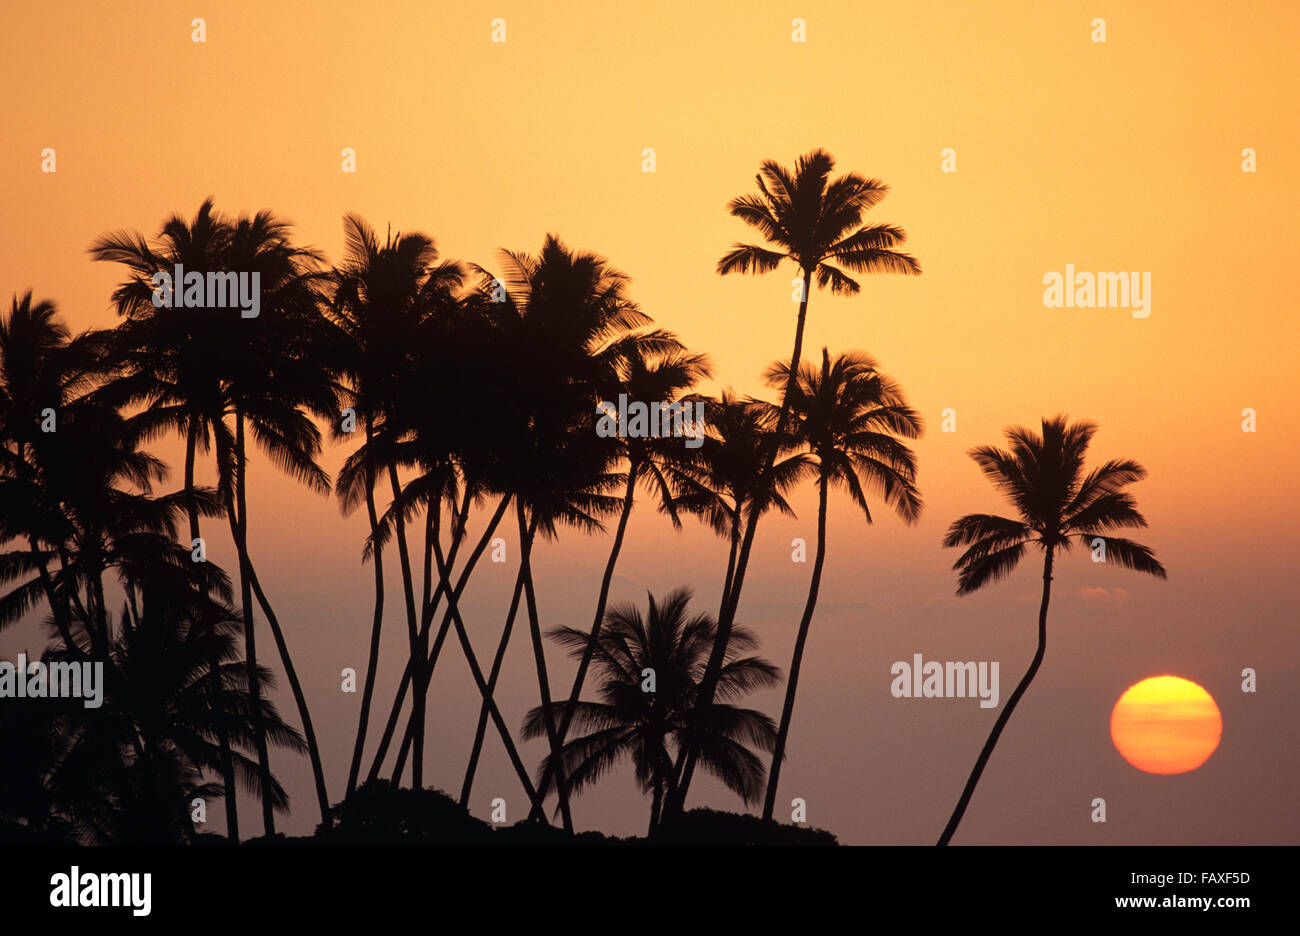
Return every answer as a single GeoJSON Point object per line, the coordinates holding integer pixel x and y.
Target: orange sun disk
{"type": "Point", "coordinates": [1166, 725]}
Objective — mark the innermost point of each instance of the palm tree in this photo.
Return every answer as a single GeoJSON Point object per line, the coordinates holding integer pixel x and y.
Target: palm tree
{"type": "Point", "coordinates": [1058, 505]}
{"type": "Point", "coordinates": [718, 482]}
{"type": "Point", "coordinates": [816, 223]}
{"type": "Point", "coordinates": [174, 362]}
{"type": "Point", "coordinates": [650, 668]}
{"type": "Point", "coordinates": [381, 296]}
{"type": "Point", "coordinates": [849, 417]}
{"type": "Point", "coordinates": [566, 323]}
{"type": "Point", "coordinates": [158, 728]}
{"type": "Point", "coordinates": [200, 369]}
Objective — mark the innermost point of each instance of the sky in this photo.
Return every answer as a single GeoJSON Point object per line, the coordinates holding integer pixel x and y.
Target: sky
{"type": "Point", "coordinates": [1122, 155]}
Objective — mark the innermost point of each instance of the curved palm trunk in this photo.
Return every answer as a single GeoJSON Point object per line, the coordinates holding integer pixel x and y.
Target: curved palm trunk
{"type": "Point", "coordinates": [461, 583]}
{"type": "Point", "coordinates": [731, 600]}
{"type": "Point", "coordinates": [408, 587]}
{"type": "Point", "coordinates": [235, 512]}
{"type": "Point", "coordinates": [432, 545]}
{"type": "Point", "coordinates": [792, 681]}
{"type": "Point", "coordinates": [731, 552]}
{"type": "Point", "coordinates": [543, 683]}
{"type": "Point", "coordinates": [1010, 707]}
{"type": "Point", "coordinates": [590, 650]}
{"type": "Point", "coordinates": [309, 733]}
{"type": "Point", "coordinates": [481, 729]}
{"type": "Point", "coordinates": [214, 664]}
{"type": "Point", "coordinates": [453, 609]}
{"type": "Point", "coordinates": [372, 663]}
{"type": "Point", "coordinates": [251, 580]}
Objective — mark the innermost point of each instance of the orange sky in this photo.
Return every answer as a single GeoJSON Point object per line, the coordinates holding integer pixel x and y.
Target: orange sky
{"type": "Point", "coordinates": [1122, 156]}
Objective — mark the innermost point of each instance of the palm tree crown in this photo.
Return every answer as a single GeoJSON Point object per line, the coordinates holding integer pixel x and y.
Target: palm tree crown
{"type": "Point", "coordinates": [1058, 504]}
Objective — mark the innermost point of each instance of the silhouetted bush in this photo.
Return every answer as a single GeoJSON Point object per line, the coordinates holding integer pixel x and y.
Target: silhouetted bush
{"type": "Point", "coordinates": [378, 813]}
{"type": "Point", "coordinates": [713, 827]}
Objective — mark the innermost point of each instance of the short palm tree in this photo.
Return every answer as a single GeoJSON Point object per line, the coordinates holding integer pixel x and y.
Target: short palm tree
{"type": "Point", "coordinates": [1059, 506]}
{"type": "Point", "coordinates": [850, 418]}
{"type": "Point", "coordinates": [647, 720]}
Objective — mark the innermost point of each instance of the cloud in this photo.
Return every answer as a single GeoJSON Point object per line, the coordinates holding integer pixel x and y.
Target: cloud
{"type": "Point", "coordinates": [941, 601]}
{"type": "Point", "coordinates": [1098, 593]}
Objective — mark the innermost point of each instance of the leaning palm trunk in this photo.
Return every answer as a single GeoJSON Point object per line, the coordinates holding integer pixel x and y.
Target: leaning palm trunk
{"type": "Point", "coordinates": [428, 605]}
{"type": "Point", "coordinates": [408, 587]}
{"type": "Point", "coordinates": [601, 602]}
{"type": "Point", "coordinates": [543, 683]}
{"type": "Point", "coordinates": [969, 790]}
{"type": "Point", "coordinates": [395, 711]}
{"type": "Point", "coordinates": [731, 600]}
{"type": "Point", "coordinates": [372, 663]}
{"type": "Point", "coordinates": [792, 683]}
{"type": "Point", "coordinates": [480, 730]}
{"type": "Point", "coordinates": [240, 531]}
{"type": "Point", "coordinates": [235, 512]}
{"type": "Point", "coordinates": [214, 663]}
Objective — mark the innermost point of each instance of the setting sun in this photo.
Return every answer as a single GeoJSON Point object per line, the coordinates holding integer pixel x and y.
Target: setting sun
{"type": "Point", "coordinates": [1166, 725]}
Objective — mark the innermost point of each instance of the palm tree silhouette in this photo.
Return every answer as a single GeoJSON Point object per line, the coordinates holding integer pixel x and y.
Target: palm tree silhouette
{"type": "Point", "coordinates": [196, 368]}
{"type": "Point", "coordinates": [162, 715]}
{"type": "Point", "coordinates": [377, 311]}
{"type": "Point", "coordinates": [849, 417]}
{"type": "Point", "coordinates": [567, 322]}
{"type": "Point", "coordinates": [817, 224]}
{"type": "Point", "coordinates": [169, 361]}
{"type": "Point", "coordinates": [718, 482]}
{"type": "Point", "coordinates": [1043, 477]}
{"type": "Point", "coordinates": [645, 720]}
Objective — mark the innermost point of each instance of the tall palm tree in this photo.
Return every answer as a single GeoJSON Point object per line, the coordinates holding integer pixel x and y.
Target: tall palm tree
{"type": "Point", "coordinates": [816, 223]}
{"type": "Point", "coordinates": [175, 363]}
{"type": "Point", "coordinates": [634, 719]}
{"type": "Point", "coordinates": [381, 297]}
{"type": "Point", "coordinates": [1058, 505]}
{"type": "Point", "coordinates": [202, 369]}
{"type": "Point", "coordinates": [849, 417]}
{"type": "Point", "coordinates": [566, 324]}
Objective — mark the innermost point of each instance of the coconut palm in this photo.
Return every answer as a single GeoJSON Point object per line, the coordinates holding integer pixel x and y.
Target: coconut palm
{"type": "Point", "coordinates": [849, 417]}
{"type": "Point", "coordinates": [381, 295]}
{"type": "Point", "coordinates": [158, 728]}
{"type": "Point", "coordinates": [649, 666]}
{"type": "Point", "coordinates": [1058, 506]}
{"type": "Point", "coordinates": [566, 322]}
{"type": "Point", "coordinates": [718, 482]}
{"type": "Point", "coordinates": [816, 223]}
{"type": "Point", "coordinates": [201, 369]}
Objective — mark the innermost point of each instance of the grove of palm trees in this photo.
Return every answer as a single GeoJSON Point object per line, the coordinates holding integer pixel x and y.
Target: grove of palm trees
{"type": "Point", "coordinates": [463, 399]}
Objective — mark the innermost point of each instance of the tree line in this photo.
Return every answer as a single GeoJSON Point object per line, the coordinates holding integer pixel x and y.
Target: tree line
{"type": "Point", "coordinates": [467, 397]}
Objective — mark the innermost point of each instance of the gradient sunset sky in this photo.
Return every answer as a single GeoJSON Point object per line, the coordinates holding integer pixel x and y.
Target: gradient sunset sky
{"type": "Point", "coordinates": [1115, 156]}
